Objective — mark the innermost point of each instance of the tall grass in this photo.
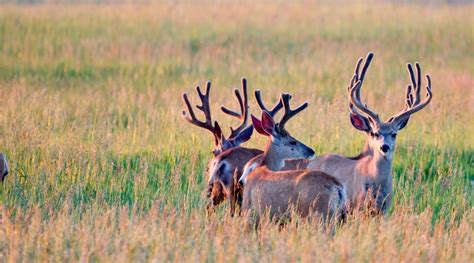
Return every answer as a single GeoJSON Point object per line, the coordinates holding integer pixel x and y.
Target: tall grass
{"type": "Point", "coordinates": [104, 168]}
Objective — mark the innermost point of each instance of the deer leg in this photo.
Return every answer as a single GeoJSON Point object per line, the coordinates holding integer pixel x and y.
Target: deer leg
{"type": "Point", "coordinates": [252, 218]}
{"type": "Point", "coordinates": [210, 205]}
{"type": "Point", "coordinates": [216, 195]}
{"type": "Point", "coordinates": [231, 196]}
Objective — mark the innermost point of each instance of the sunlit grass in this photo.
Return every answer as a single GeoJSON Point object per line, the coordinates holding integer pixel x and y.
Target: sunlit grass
{"type": "Point", "coordinates": [104, 168]}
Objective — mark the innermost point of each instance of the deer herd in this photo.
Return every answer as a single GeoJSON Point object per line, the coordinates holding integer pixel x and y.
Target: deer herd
{"type": "Point", "coordinates": [286, 177]}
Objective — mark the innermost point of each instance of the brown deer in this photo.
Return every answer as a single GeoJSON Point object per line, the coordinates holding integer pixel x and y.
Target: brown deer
{"type": "Point", "coordinates": [3, 167]}
{"type": "Point", "coordinates": [229, 158]}
{"type": "Point", "coordinates": [268, 189]}
{"type": "Point", "coordinates": [368, 177]}
{"type": "Point", "coordinates": [290, 164]}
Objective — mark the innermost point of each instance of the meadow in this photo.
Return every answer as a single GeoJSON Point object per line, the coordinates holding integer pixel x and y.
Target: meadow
{"type": "Point", "coordinates": [103, 167]}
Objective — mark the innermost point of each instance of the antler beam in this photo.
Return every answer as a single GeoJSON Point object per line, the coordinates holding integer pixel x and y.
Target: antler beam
{"type": "Point", "coordinates": [190, 116]}
{"type": "Point", "coordinates": [289, 113]}
{"type": "Point", "coordinates": [354, 87]}
{"type": "Point", "coordinates": [415, 104]}
{"type": "Point", "coordinates": [276, 108]}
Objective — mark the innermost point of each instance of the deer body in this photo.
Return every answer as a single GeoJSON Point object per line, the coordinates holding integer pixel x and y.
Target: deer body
{"type": "Point", "coordinates": [278, 192]}
{"type": "Point", "coordinates": [368, 177]}
{"type": "Point", "coordinates": [308, 192]}
{"type": "Point", "coordinates": [359, 176]}
{"type": "Point", "coordinates": [229, 157]}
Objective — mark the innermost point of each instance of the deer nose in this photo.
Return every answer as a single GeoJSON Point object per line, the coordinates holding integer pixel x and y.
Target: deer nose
{"type": "Point", "coordinates": [385, 148]}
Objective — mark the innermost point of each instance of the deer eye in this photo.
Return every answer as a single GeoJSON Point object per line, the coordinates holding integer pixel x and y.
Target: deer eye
{"type": "Point", "coordinates": [394, 135]}
{"type": "Point", "coordinates": [374, 134]}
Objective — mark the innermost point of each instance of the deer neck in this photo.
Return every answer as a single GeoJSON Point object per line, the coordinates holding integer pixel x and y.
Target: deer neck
{"type": "Point", "coordinates": [272, 159]}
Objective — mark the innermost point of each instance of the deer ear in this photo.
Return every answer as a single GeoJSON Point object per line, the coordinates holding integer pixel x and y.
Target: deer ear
{"type": "Point", "coordinates": [360, 122]}
{"type": "Point", "coordinates": [218, 133]}
{"type": "Point", "coordinates": [243, 136]}
{"type": "Point", "coordinates": [268, 124]}
{"type": "Point", "coordinates": [402, 123]}
{"type": "Point", "coordinates": [257, 124]}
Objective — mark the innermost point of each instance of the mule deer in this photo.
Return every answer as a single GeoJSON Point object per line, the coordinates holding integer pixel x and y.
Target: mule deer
{"type": "Point", "coordinates": [289, 164]}
{"type": "Point", "coordinates": [371, 171]}
{"type": "Point", "coordinates": [267, 189]}
{"type": "Point", "coordinates": [3, 167]}
{"type": "Point", "coordinates": [229, 157]}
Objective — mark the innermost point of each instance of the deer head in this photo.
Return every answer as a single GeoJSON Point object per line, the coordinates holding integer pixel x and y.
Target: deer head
{"type": "Point", "coordinates": [282, 144]}
{"type": "Point", "coordinates": [238, 136]}
{"type": "Point", "coordinates": [382, 135]}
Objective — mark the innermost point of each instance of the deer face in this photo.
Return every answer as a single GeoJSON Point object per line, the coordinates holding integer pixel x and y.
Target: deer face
{"type": "Point", "coordinates": [381, 136]}
{"type": "Point", "coordinates": [382, 139]}
{"type": "Point", "coordinates": [286, 146]}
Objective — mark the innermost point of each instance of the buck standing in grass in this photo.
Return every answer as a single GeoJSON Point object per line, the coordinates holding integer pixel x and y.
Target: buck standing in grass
{"type": "Point", "coordinates": [229, 158]}
{"type": "Point", "coordinates": [368, 177]}
{"type": "Point", "coordinates": [267, 189]}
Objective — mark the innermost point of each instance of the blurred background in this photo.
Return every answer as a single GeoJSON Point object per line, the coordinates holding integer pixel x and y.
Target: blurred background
{"type": "Point", "coordinates": [91, 106]}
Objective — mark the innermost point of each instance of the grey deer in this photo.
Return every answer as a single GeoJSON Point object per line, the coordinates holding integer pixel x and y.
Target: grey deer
{"type": "Point", "coordinates": [368, 177]}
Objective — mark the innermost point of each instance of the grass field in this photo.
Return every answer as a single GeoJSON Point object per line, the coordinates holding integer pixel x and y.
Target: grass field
{"type": "Point", "coordinates": [104, 169]}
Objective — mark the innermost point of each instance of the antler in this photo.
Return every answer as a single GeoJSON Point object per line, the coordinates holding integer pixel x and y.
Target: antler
{"type": "Point", "coordinates": [289, 113]}
{"type": "Point", "coordinates": [413, 105]}
{"type": "Point", "coordinates": [204, 107]}
{"type": "Point", "coordinates": [276, 108]}
{"type": "Point", "coordinates": [244, 108]}
{"type": "Point", "coordinates": [354, 87]}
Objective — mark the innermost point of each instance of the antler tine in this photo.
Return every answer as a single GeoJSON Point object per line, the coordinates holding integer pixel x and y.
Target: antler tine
{"type": "Point", "coordinates": [243, 104]}
{"type": "Point", "coordinates": [415, 82]}
{"type": "Point", "coordinates": [414, 104]}
{"type": "Point", "coordinates": [276, 108]}
{"type": "Point", "coordinates": [409, 97]}
{"type": "Point", "coordinates": [190, 116]}
{"type": "Point", "coordinates": [354, 87]}
{"type": "Point", "coordinates": [356, 78]}
{"type": "Point", "coordinates": [361, 75]}
{"type": "Point", "coordinates": [289, 113]}
{"type": "Point", "coordinates": [204, 107]}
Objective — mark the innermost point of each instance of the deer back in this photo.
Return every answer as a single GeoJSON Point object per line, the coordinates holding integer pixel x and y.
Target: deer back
{"type": "Point", "coordinates": [308, 192]}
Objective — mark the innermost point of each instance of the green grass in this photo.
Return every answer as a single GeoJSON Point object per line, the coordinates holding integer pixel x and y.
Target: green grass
{"type": "Point", "coordinates": [103, 168]}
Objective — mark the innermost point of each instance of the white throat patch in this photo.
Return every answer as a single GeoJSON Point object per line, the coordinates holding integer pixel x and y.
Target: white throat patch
{"type": "Point", "coordinates": [249, 167]}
